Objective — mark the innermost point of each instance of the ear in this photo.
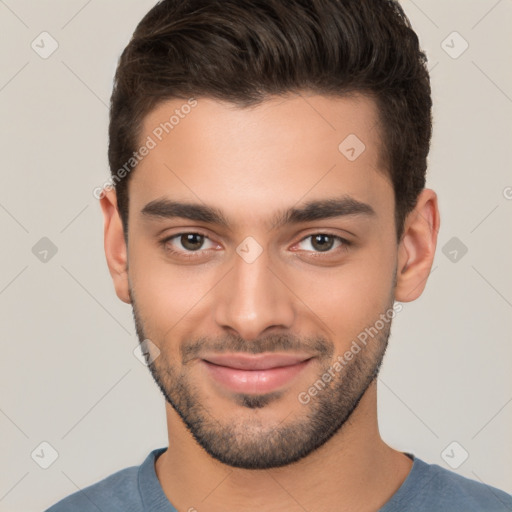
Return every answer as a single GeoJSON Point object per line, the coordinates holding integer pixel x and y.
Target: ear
{"type": "Point", "coordinates": [115, 245]}
{"type": "Point", "coordinates": [417, 247]}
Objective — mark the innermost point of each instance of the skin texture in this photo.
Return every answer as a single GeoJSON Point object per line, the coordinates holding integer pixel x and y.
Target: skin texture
{"type": "Point", "coordinates": [293, 298]}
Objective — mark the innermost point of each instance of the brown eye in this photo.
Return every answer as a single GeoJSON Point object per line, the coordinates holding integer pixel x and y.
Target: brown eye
{"type": "Point", "coordinates": [187, 245]}
{"type": "Point", "coordinates": [192, 241]}
{"type": "Point", "coordinates": [322, 242]}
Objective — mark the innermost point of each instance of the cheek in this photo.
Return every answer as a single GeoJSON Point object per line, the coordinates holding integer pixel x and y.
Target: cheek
{"type": "Point", "coordinates": [352, 296]}
{"type": "Point", "coordinates": [168, 296]}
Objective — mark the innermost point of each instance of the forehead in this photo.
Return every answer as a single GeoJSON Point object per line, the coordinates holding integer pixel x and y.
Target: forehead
{"type": "Point", "coordinates": [277, 153]}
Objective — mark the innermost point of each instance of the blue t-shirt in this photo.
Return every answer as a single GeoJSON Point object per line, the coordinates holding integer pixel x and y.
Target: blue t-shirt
{"type": "Point", "coordinates": [427, 488]}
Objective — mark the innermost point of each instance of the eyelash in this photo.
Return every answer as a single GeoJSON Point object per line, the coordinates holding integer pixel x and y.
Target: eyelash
{"type": "Point", "coordinates": [185, 254]}
{"type": "Point", "coordinates": [345, 244]}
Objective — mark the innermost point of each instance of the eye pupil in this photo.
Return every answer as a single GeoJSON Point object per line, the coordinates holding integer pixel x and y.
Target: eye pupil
{"type": "Point", "coordinates": [319, 242]}
{"type": "Point", "coordinates": [192, 241]}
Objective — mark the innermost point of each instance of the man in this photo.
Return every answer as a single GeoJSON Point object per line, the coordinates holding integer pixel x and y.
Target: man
{"type": "Point", "coordinates": [267, 217]}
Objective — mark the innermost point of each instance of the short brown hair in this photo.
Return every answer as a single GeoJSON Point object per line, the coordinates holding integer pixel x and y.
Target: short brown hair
{"type": "Point", "coordinates": [243, 51]}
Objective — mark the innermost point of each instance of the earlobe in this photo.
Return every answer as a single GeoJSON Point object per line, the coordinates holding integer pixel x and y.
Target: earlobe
{"type": "Point", "coordinates": [417, 248]}
{"type": "Point", "coordinates": [115, 244]}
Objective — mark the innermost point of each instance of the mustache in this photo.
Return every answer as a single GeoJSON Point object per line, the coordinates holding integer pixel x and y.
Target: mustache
{"type": "Point", "coordinates": [316, 345]}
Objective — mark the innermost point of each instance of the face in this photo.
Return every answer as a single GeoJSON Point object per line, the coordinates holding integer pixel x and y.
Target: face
{"type": "Point", "coordinates": [261, 247]}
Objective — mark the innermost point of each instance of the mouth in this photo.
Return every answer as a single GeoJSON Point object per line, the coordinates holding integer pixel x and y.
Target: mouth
{"type": "Point", "coordinates": [256, 374]}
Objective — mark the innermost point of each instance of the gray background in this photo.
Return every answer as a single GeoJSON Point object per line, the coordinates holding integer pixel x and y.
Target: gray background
{"type": "Point", "coordinates": [68, 375]}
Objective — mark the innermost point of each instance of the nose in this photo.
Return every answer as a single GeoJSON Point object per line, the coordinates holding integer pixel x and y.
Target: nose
{"type": "Point", "coordinates": [253, 298]}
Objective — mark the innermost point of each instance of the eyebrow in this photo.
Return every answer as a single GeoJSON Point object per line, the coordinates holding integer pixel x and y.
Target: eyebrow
{"type": "Point", "coordinates": [310, 211]}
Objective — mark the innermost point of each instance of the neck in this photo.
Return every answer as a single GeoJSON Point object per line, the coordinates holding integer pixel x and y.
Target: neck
{"type": "Point", "coordinates": [355, 470]}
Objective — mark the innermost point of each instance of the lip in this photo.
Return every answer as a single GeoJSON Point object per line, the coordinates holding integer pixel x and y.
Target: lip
{"type": "Point", "coordinates": [258, 374]}
{"type": "Point", "coordinates": [256, 362]}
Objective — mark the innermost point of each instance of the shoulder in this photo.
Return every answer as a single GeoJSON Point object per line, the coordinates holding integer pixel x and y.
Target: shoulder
{"type": "Point", "coordinates": [431, 487]}
{"type": "Point", "coordinates": [115, 493]}
{"type": "Point", "coordinates": [474, 495]}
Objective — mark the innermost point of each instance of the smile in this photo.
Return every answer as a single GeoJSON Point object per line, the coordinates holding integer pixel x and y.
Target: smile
{"type": "Point", "coordinates": [255, 374]}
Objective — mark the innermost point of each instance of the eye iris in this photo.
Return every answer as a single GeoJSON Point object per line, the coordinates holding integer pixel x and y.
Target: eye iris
{"type": "Point", "coordinates": [318, 242]}
{"type": "Point", "coordinates": [192, 241]}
